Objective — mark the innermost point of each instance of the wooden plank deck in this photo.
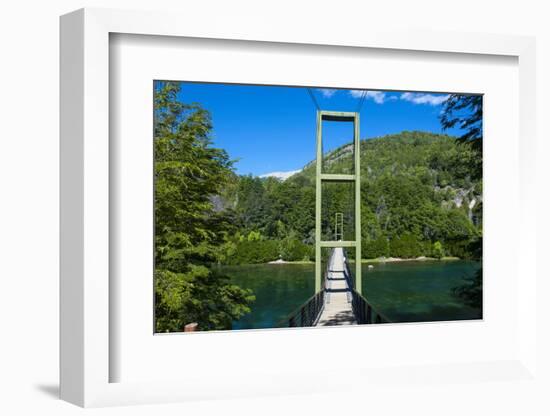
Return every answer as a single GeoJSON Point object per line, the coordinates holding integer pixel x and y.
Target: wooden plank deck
{"type": "Point", "coordinates": [337, 309]}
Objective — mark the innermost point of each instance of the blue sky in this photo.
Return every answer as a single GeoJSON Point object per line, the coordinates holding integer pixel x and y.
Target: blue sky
{"type": "Point", "coordinates": [272, 129]}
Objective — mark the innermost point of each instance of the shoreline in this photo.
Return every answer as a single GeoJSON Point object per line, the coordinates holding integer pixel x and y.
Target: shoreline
{"type": "Point", "coordinates": [280, 261]}
{"type": "Point", "coordinates": [377, 260]}
{"type": "Point", "coordinates": [399, 259]}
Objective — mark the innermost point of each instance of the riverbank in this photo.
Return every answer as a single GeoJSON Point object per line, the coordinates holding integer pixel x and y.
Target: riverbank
{"type": "Point", "coordinates": [377, 260]}
{"type": "Point", "coordinates": [280, 261]}
{"type": "Point", "coordinates": [398, 259]}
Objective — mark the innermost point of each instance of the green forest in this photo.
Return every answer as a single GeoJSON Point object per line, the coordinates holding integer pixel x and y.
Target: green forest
{"type": "Point", "coordinates": [421, 196]}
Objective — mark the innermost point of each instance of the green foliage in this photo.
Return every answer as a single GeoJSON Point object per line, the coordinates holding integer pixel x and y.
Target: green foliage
{"type": "Point", "coordinates": [378, 247]}
{"type": "Point", "coordinates": [257, 249]}
{"type": "Point", "coordinates": [199, 295]}
{"type": "Point", "coordinates": [189, 232]}
{"type": "Point", "coordinates": [252, 252]}
{"type": "Point", "coordinates": [254, 236]}
{"type": "Point", "coordinates": [466, 112]}
{"type": "Point", "coordinates": [438, 251]}
{"type": "Point", "coordinates": [405, 246]}
{"type": "Point", "coordinates": [292, 249]}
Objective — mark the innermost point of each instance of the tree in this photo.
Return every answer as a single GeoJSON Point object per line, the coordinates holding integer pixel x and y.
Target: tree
{"type": "Point", "coordinates": [254, 252]}
{"type": "Point", "coordinates": [254, 236]}
{"type": "Point", "coordinates": [189, 232]}
{"type": "Point", "coordinates": [252, 204]}
{"type": "Point", "coordinates": [465, 112]}
{"type": "Point", "coordinates": [405, 246]}
{"type": "Point", "coordinates": [378, 247]}
{"type": "Point", "coordinates": [438, 251]}
{"type": "Point", "coordinates": [292, 249]}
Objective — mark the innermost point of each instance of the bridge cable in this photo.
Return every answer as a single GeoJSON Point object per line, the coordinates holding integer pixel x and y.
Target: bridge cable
{"type": "Point", "coordinates": [362, 100]}
{"type": "Point", "coordinates": [359, 106]}
{"type": "Point", "coordinates": [313, 98]}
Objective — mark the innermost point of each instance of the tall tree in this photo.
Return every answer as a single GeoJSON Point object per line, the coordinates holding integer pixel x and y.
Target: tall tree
{"type": "Point", "coordinates": [466, 112]}
{"type": "Point", "coordinates": [189, 172]}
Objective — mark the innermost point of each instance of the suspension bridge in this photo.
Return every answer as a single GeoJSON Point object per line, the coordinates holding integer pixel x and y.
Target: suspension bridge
{"type": "Point", "coordinates": [337, 303]}
{"type": "Point", "coordinates": [338, 299]}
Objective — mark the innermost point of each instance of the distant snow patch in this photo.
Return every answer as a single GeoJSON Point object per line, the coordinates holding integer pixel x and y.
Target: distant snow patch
{"type": "Point", "coordinates": [280, 175]}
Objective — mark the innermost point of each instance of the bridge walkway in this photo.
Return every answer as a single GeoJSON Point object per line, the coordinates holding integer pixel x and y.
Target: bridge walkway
{"type": "Point", "coordinates": [338, 308]}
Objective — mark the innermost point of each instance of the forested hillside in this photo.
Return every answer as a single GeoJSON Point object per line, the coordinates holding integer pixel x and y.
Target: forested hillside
{"type": "Point", "coordinates": [421, 196]}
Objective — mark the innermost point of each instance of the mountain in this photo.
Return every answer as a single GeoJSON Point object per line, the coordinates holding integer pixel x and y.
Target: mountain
{"type": "Point", "coordinates": [417, 189]}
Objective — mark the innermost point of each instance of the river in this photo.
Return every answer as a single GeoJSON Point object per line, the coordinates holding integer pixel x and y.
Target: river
{"type": "Point", "coordinates": [412, 291]}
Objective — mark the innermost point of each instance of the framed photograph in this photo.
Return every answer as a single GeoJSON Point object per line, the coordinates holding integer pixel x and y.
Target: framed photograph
{"type": "Point", "coordinates": [258, 222]}
{"type": "Point", "coordinates": [237, 210]}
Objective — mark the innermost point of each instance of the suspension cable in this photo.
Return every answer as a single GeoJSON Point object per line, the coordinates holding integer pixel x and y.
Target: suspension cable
{"type": "Point", "coordinates": [313, 98]}
{"type": "Point", "coordinates": [359, 106]}
{"type": "Point", "coordinates": [362, 100]}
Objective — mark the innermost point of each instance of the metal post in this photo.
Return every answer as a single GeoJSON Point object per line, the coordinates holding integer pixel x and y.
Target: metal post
{"type": "Point", "coordinates": [355, 179]}
{"type": "Point", "coordinates": [319, 164]}
{"type": "Point", "coordinates": [357, 171]}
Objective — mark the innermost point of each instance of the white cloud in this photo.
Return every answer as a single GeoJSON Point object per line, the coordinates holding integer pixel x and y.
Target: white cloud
{"type": "Point", "coordinates": [378, 97]}
{"type": "Point", "coordinates": [281, 175]}
{"type": "Point", "coordinates": [421, 98]}
{"type": "Point", "coordinates": [356, 93]}
{"type": "Point", "coordinates": [327, 93]}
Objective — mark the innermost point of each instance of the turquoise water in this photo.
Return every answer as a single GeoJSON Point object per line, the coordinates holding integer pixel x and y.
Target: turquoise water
{"type": "Point", "coordinates": [403, 291]}
{"type": "Point", "coordinates": [419, 291]}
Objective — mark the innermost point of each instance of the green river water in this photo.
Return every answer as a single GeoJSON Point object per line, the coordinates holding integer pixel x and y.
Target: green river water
{"type": "Point", "coordinates": [403, 291]}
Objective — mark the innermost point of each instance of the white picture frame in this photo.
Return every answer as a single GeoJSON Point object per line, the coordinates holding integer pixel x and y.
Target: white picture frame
{"type": "Point", "coordinates": [85, 351]}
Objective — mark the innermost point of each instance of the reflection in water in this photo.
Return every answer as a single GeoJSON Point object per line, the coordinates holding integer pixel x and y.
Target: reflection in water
{"type": "Point", "coordinates": [403, 291]}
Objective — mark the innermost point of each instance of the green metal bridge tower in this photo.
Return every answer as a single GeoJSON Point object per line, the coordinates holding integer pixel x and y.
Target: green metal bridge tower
{"type": "Point", "coordinates": [341, 178]}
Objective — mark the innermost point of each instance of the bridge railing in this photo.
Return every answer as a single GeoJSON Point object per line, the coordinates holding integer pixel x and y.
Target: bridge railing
{"type": "Point", "coordinates": [325, 281]}
{"type": "Point", "coordinates": [308, 313]}
{"type": "Point", "coordinates": [364, 312]}
{"type": "Point", "coordinates": [349, 277]}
